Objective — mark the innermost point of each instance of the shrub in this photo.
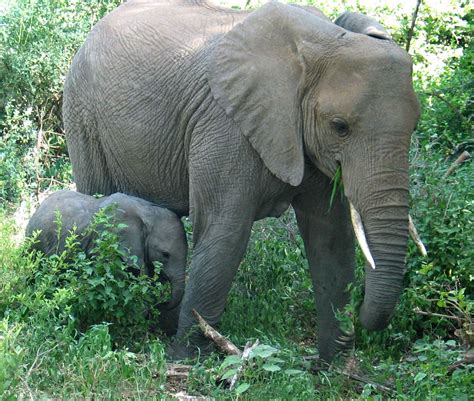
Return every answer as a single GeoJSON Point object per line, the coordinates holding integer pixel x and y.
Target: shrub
{"type": "Point", "coordinates": [79, 290]}
{"type": "Point", "coordinates": [38, 40]}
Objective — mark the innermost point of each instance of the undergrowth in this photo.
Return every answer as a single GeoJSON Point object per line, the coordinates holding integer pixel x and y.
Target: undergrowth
{"type": "Point", "coordinates": [72, 320]}
{"type": "Point", "coordinates": [75, 327]}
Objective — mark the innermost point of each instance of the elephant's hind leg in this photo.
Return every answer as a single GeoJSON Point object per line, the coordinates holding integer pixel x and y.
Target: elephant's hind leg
{"type": "Point", "coordinates": [90, 168]}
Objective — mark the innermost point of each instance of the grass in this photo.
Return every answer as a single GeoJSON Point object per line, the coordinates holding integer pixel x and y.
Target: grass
{"type": "Point", "coordinates": [44, 355]}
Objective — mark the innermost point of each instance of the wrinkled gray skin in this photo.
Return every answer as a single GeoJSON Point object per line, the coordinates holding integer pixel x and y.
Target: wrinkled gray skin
{"type": "Point", "coordinates": [153, 234]}
{"type": "Point", "coordinates": [360, 23]}
{"type": "Point", "coordinates": [231, 117]}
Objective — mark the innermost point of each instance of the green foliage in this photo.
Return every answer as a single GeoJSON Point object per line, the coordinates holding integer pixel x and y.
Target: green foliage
{"type": "Point", "coordinates": [423, 372]}
{"type": "Point", "coordinates": [81, 290]}
{"type": "Point", "coordinates": [10, 359]}
{"type": "Point", "coordinates": [337, 185]}
{"type": "Point", "coordinates": [273, 282]}
{"type": "Point", "coordinates": [443, 205]}
{"type": "Point", "coordinates": [62, 318]}
{"type": "Point", "coordinates": [38, 40]}
{"type": "Point", "coordinates": [42, 361]}
{"type": "Point", "coordinates": [268, 373]}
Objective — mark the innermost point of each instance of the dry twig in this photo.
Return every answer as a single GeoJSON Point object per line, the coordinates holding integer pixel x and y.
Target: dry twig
{"type": "Point", "coordinates": [459, 319]}
{"type": "Point", "coordinates": [350, 375]}
{"type": "Point", "coordinates": [177, 371]}
{"type": "Point", "coordinates": [412, 26]}
{"type": "Point", "coordinates": [245, 355]}
{"type": "Point", "coordinates": [460, 160]}
{"type": "Point", "coordinates": [416, 238]}
{"type": "Point", "coordinates": [223, 343]}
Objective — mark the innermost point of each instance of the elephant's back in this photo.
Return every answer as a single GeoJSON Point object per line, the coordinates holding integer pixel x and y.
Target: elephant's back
{"type": "Point", "coordinates": [180, 23]}
{"type": "Point", "coordinates": [61, 213]}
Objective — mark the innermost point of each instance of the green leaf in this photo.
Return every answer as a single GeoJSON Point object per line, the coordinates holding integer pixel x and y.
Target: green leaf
{"type": "Point", "coordinates": [419, 376]}
{"type": "Point", "coordinates": [275, 360]}
{"type": "Point", "coordinates": [263, 351]}
{"type": "Point", "coordinates": [336, 184]}
{"type": "Point", "coordinates": [229, 373]}
{"type": "Point", "coordinates": [241, 388]}
{"type": "Point", "coordinates": [266, 353]}
{"type": "Point", "coordinates": [231, 360]}
{"type": "Point", "coordinates": [271, 368]}
{"type": "Point", "coordinates": [293, 372]}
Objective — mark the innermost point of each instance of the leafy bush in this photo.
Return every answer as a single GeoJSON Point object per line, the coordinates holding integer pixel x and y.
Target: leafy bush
{"type": "Point", "coordinates": [38, 40]}
{"type": "Point", "coordinates": [68, 322]}
{"type": "Point", "coordinates": [10, 359]}
{"type": "Point", "coordinates": [81, 290]}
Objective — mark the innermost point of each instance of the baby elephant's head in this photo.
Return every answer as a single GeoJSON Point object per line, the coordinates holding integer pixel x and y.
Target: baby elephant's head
{"type": "Point", "coordinates": [153, 234]}
{"type": "Point", "coordinates": [166, 243]}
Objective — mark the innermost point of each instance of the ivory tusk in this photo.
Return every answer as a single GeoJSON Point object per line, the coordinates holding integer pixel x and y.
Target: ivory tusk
{"type": "Point", "coordinates": [360, 235]}
{"type": "Point", "coordinates": [416, 238]}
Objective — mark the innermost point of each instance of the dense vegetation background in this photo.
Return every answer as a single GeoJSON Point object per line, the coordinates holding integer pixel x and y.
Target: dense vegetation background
{"type": "Point", "coordinates": [65, 333]}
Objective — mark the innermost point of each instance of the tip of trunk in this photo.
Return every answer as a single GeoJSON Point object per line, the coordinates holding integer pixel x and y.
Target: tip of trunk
{"type": "Point", "coordinates": [176, 298]}
{"type": "Point", "coordinates": [374, 319]}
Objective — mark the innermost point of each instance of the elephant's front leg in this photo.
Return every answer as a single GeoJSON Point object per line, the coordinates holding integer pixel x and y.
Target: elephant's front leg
{"type": "Point", "coordinates": [220, 242]}
{"type": "Point", "coordinates": [329, 244]}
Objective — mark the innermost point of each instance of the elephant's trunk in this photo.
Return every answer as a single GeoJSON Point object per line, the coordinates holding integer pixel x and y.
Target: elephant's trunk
{"type": "Point", "coordinates": [384, 215]}
{"type": "Point", "coordinates": [175, 274]}
{"type": "Point", "coordinates": [387, 239]}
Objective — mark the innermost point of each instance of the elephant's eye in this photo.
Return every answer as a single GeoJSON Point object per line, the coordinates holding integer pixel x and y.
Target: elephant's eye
{"type": "Point", "coordinates": [340, 126]}
{"type": "Point", "coordinates": [166, 255]}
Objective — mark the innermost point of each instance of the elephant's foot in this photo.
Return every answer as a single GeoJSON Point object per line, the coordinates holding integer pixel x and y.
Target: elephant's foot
{"type": "Point", "coordinates": [191, 348]}
{"type": "Point", "coordinates": [337, 346]}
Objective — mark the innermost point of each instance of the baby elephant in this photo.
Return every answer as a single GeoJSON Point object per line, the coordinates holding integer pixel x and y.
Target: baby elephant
{"type": "Point", "coordinates": [152, 233]}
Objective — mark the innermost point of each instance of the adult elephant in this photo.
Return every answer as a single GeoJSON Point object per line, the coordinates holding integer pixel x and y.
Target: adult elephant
{"type": "Point", "coordinates": [231, 117]}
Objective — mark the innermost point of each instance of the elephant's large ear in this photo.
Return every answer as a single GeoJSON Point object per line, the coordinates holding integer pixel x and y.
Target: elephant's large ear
{"type": "Point", "coordinates": [254, 73]}
{"type": "Point", "coordinates": [360, 23]}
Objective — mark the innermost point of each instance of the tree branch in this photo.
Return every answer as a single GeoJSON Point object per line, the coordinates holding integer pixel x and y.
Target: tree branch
{"type": "Point", "coordinates": [223, 343]}
{"type": "Point", "coordinates": [460, 160]}
{"type": "Point", "coordinates": [412, 27]}
{"type": "Point", "coordinates": [421, 312]}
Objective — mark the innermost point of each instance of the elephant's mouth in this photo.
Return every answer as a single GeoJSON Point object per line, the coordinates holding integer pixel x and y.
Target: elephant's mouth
{"type": "Point", "coordinates": [163, 278]}
{"type": "Point", "coordinates": [171, 303]}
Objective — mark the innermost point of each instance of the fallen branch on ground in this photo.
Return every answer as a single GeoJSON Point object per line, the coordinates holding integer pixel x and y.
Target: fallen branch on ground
{"type": "Point", "coordinates": [460, 160]}
{"type": "Point", "coordinates": [182, 396]}
{"type": "Point", "coordinates": [223, 343]}
{"type": "Point", "coordinates": [226, 346]}
{"type": "Point", "coordinates": [229, 348]}
{"type": "Point", "coordinates": [177, 371]}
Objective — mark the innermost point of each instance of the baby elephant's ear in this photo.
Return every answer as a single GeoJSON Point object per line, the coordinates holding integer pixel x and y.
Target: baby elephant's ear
{"type": "Point", "coordinates": [360, 23]}
{"type": "Point", "coordinates": [133, 238]}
